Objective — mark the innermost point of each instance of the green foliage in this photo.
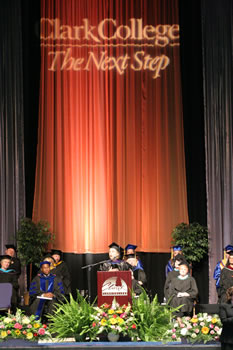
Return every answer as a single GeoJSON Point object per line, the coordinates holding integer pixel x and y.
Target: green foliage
{"type": "Point", "coordinates": [153, 320]}
{"type": "Point", "coordinates": [32, 240]}
{"type": "Point", "coordinates": [72, 319]}
{"type": "Point", "coordinates": [194, 241]}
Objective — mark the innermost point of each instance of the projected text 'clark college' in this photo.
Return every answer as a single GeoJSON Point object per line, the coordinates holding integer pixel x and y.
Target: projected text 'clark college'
{"type": "Point", "coordinates": [108, 45]}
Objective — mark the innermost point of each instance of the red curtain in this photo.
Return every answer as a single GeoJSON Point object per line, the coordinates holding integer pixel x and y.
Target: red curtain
{"type": "Point", "coordinates": [110, 160]}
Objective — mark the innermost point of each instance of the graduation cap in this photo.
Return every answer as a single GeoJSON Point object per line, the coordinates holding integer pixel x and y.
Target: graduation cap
{"type": "Point", "coordinates": [56, 252]}
{"type": "Point", "coordinates": [115, 246]}
{"type": "Point", "coordinates": [129, 256]}
{"type": "Point", "coordinates": [228, 248]}
{"type": "Point", "coordinates": [8, 257]}
{"type": "Point", "coordinates": [45, 263]}
{"type": "Point", "coordinates": [130, 246]}
{"type": "Point", "coordinates": [175, 248]}
{"type": "Point", "coordinates": [11, 246]}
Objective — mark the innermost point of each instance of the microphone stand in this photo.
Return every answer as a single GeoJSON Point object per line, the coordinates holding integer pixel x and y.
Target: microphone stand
{"type": "Point", "coordinates": [89, 267]}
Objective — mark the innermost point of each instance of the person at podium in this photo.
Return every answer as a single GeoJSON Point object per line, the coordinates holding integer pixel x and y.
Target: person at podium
{"type": "Point", "coordinates": [114, 263]}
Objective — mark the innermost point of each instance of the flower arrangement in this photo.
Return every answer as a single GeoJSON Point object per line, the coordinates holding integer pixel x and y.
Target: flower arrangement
{"type": "Point", "coordinates": [200, 328]}
{"type": "Point", "coordinates": [20, 326]}
{"type": "Point", "coordinates": [115, 319]}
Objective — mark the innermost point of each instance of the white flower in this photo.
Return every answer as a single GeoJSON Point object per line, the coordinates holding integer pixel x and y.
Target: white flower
{"type": "Point", "coordinates": [201, 319]}
{"type": "Point", "coordinates": [193, 335]}
{"type": "Point", "coordinates": [25, 320]}
{"type": "Point", "coordinates": [220, 331]}
{"type": "Point", "coordinates": [183, 331]}
{"type": "Point", "coordinates": [7, 320]}
{"type": "Point", "coordinates": [176, 325]}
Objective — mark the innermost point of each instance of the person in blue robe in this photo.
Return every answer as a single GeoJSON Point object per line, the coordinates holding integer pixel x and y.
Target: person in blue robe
{"type": "Point", "coordinates": [46, 289]}
{"type": "Point", "coordinates": [139, 279]}
{"type": "Point", "coordinates": [220, 266]}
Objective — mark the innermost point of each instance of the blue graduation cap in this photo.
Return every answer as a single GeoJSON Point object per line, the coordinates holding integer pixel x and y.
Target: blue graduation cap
{"type": "Point", "coordinates": [228, 248]}
{"type": "Point", "coordinates": [45, 263]}
{"type": "Point", "coordinates": [130, 246]}
{"type": "Point", "coordinates": [177, 248]}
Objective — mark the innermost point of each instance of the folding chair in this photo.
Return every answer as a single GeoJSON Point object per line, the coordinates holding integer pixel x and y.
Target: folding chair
{"type": "Point", "coordinates": [5, 296]}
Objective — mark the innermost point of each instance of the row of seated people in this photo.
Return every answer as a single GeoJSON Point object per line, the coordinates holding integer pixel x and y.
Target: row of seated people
{"type": "Point", "coordinates": [10, 270]}
{"type": "Point", "coordinates": [222, 274]}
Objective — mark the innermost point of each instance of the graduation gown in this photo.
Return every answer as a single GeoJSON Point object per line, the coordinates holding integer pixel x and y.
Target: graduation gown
{"type": "Point", "coordinates": [183, 285]}
{"type": "Point", "coordinates": [139, 275]}
{"type": "Point", "coordinates": [170, 276]}
{"type": "Point", "coordinates": [16, 265]}
{"type": "Point", "coordinates": [43, 284]}
{"type": "Point", "coordinates": [61, 270]}
{"type": "Point", "coordinates": [226, 316]}
{"type": "Point", "coordinates": [116, 264]}
{"type": "Point", "coordinates": [9, 276]}
{"type": "Point", "coordinates": [226, 281]}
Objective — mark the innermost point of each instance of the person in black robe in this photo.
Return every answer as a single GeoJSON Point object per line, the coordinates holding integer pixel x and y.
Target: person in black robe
{"type": "Point", "coordinates": [138, 274]}
{"type": "Point", "coordinates": [61, 270]}
{"type": "Point", "coordinates": [226, 316]}
{"type": "Point", "coordinates": [114, 263]}
{"type": "Point", "coordinates": [15, 262]}
{"type": "Point", "coordinates": [173, 274]}
{"type": "Point", "coordinates": [8, 275]}
{"type": "Point", "coordinates": [183, 291]}
{"type": "Point", "coordinates": [46, 289]}
{"type": "Point", "coordinates": [226, 278]}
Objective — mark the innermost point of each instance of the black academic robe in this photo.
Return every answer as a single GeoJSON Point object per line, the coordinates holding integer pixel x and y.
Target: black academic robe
{"type": "Point", "coordinates": [43, 284]}
{"type": "Point", "coordinates": [10, 277]}
{"type": "Point", "coordinates": [170, 276]}
{"type": "Point", "coordinates": [116, 264]}
{"type": "Point", "coordinates": [226, 316]}
{"type": "Point", "coordinates": [139, 275]}
{"type": "Point", "coordinates": [16, 265]}
{"type": "Point", "coordinates": [183, 285]}
{"type": "Point", "coordinates": [61, 270]}
{"type": "Point", "coordinates": [226, 281]}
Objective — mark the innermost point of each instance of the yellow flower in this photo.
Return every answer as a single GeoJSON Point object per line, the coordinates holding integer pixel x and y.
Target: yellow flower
{"type": "Point", "coordinates": [3, 334]}
{"type": "Point", "coordinates": [119, 311]}
{"type": "Point", "coordinates": [120, 320]}
{"type": "Point", "coordinates": [194, 320]}
{"type": "Point", "coordinates": [17, 332]}
{"type": "Point", "coordinates": [36, 325]}
{"type": "Point", "coordinates": [214, 320]}
{"type": "Point", "coordinates": [111, 311]}
{"type": "Point", "coordinates": [113, 320]}
{"type": "Point", "coordinates": [29, 335]}
{"type": "Point", "coordinates": [205, 330]}
{"type": "Point", "coordinates": [103, 322]}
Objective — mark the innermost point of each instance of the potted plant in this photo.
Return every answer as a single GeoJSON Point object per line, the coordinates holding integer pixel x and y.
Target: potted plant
{"type": "Point", "coordinates": [201, 328]}
{"type": "Point", "coordinates": [73, 318]}
{"type": "Point", "coordinates": [115, 320]}
{"type": "Point", "coordinates": [153, 319]}
{"type": "Point", "coordinates": [32, 240]}
{"type": "Point", "coordinates": [194, 241]}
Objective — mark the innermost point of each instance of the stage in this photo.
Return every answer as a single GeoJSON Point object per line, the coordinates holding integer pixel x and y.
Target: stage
{"type": "Point", "coordinates": [20, 345]}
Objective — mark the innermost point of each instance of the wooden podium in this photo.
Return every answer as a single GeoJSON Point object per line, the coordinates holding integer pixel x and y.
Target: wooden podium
{"type": "Point", "coordinates": [116, 284]}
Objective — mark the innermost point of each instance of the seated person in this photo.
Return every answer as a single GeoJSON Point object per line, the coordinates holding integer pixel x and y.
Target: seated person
{"type": "Point", "coordinates": [172, 274]}
{"type": "Point", "coordinates": [183, 291]}
{"type": "Point", "coordinates": [8, 275]}
{"type": "Point", "coordinates": [52, 263]}
{"type": "Point", "coordinates": [138, 274]}
{"type": "Point", "coordinates": [62, 270]}
{"type": "Point", "coordinates": [177, 249]}
{"type": "Point", "coordinates": [131, 249]}
{"type": "Point", "coordinates": [219, 267]}
{"type": "Point", "coordinates": [114, 263]}
{"type": "Point", "coordinates": [45, 285]}
{"type": "Point", "coordinates": [226, 316]}
{"type": "Point", "coordinates": [226, 278]}
{"type": "Point", "coordinates": [15, 262]}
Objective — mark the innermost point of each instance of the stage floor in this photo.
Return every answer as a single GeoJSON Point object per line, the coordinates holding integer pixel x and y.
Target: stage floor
{"type": "Point", "coordinates": [20, 345]}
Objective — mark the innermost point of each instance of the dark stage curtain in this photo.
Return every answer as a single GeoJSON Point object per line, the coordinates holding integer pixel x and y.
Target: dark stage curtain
{"type": "Point", "coordinates": [12, 185]}
{"type": "Point", "coordinates": [217, 31]}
